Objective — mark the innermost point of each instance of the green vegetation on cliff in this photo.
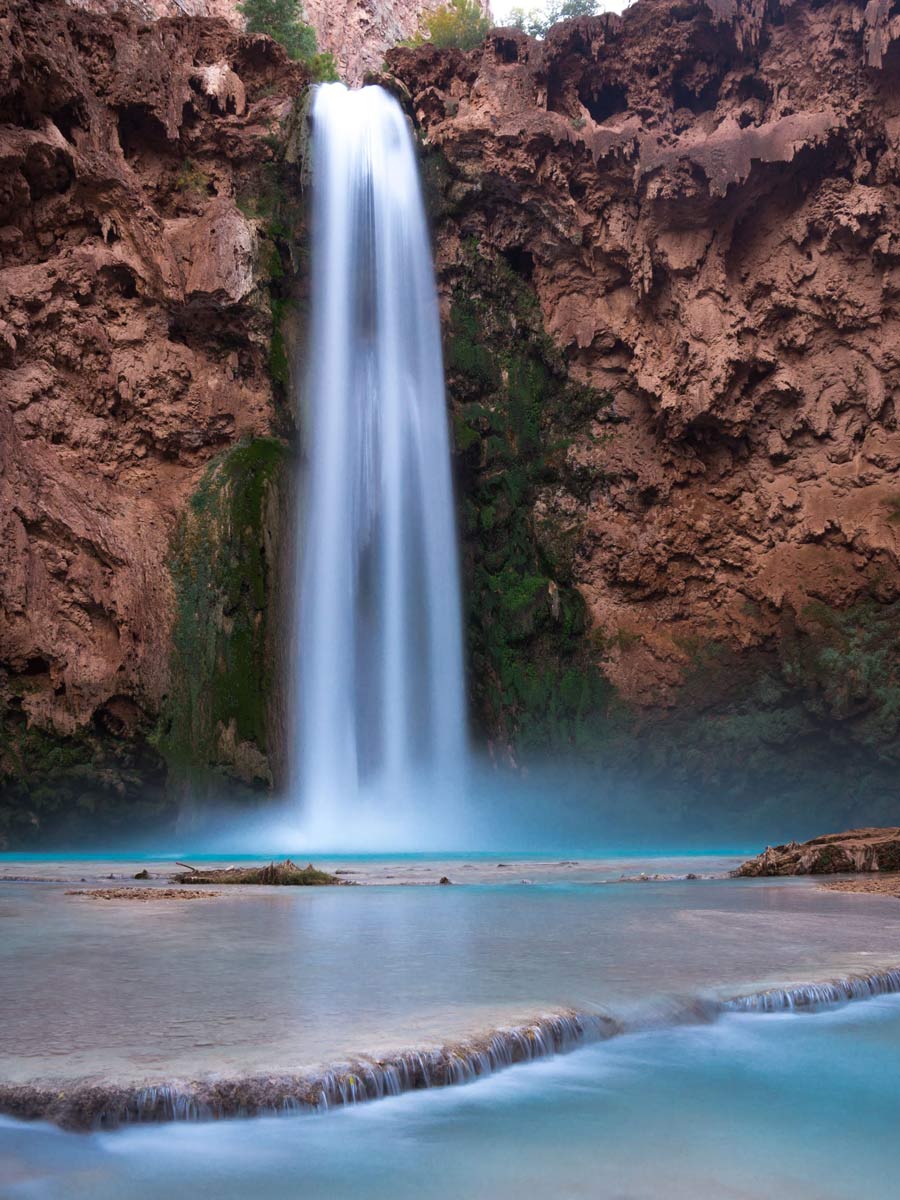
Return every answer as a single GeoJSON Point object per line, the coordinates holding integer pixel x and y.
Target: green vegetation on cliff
{"type": "Point", "coordinates": [218, 719]}
{"type": "Point", "coordinates": [538, 20]}
{"type": "Point", "coordinates": [55, 787]}
{"type": "Point", "coordinates": [534, 679]}
{"type": "Point", "coordinates": [224, 573]}
{"type": "Point", "coordinates": [283, 21]}
{"type": "Point", "coordinates": [456, 25]}
{"type": "Point", "coordinates": [808, 723]}
{"type": "Point", "coordinates": [848, 663]}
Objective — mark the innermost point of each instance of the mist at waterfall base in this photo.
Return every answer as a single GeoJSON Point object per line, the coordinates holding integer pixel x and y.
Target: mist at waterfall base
{"type": "Point", "coordinates": [562, 807]}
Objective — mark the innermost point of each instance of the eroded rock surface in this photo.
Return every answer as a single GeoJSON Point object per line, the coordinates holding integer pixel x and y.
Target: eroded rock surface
{"type": "Point", "coordinates": [833, 854]}
{"type": "Point", "coordinates": [704, 202]}
{"type": "Point", "coordinates": [668, 256]}
{"type": "Point", "coordinates": [135, 333]}
{"type": "Point", "coordinates": [357, 32]}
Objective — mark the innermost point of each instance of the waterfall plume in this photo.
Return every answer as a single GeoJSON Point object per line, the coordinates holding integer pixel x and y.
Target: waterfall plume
{"type": "Point", "coordinates": [379, 690]}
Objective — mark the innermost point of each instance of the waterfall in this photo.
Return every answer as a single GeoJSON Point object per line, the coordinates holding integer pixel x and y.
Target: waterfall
{"type": "Point", "coordinates": [379, 684]}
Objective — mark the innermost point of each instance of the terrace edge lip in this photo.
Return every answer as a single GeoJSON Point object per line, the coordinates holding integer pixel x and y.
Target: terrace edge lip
{"type": "Point", "coordinates": [86, 1107]}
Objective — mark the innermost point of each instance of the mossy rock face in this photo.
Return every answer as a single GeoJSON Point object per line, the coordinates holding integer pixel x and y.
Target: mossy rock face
{"type": "Point", "coordinates": [67, 789]}
{"type": "Point", "coordinates": [534, 680]}
{"type": "Point", "coordinates": [274, 195]}
{"type": "Point", "coordinates": [807, 722]}
{"type": "Point", "coordinates": [847, 661]}
{"type": "Point", "coordinates": [806, 725]}
{"type": "Point", "coordinates": [217, 719]}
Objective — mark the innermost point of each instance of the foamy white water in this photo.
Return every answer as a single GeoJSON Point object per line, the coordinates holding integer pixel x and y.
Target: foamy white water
{"type": "Point", "coordinates": [379, 670]}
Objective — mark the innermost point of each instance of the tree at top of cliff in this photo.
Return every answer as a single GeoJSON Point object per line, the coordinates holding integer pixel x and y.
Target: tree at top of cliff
{"type": "Point", "coordinates": [538, 21]}
{"type": "Point", "coordinates": [283, 21]}
{"type": "Point", "coordinates": [457, 25]}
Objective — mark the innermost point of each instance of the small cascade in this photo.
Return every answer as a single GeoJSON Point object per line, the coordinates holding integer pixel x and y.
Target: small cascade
{"type": "Point", "coordinates": [810, 996]}
{"type": "Point", "coordinates": [379, 668]}
{"type": "Point", "coordinates": [92, 1106]}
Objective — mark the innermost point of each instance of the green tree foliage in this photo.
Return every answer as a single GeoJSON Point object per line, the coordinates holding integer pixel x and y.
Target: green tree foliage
{"type": "Point", "coordinates": [458, 25]}
{"type": "Point", "coordinates": [538, 21]}
{"type": "Point", "coordinates": [323, 68]}
{"type": "Point", "coordinates": [283, 21]}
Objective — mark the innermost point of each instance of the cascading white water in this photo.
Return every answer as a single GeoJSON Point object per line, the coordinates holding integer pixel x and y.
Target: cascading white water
{"type": "Point", "coordinates": [379, 675]}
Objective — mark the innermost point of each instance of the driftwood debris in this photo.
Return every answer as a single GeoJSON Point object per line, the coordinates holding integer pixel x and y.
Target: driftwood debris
{"type": "Point", "coordinates": [283, 874]}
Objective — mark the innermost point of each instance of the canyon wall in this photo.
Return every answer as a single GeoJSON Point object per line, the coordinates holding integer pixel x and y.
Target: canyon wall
{"type": "Point", "coordinates": [142, 415]}
{"type": "Point", "coordinates": [357, 32]}
{"type": "Point", "coordinates": [678, 230]}
{"type": "Point", "coordinates": [667, 253]}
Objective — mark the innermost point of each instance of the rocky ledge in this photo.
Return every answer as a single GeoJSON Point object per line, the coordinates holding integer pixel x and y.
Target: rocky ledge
{"type": "Point", "coordinates": [88, 1105]}
{"type": "Point", "coordinates": [832, 854]}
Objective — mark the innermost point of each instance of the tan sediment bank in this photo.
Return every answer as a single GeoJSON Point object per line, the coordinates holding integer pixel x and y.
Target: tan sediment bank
{"type": "Point", "coordinates": [402, 871]}
{"type": "Point", "coordinates": [144, 894]}
{"type": "Point", "coordinates": [87, 1106]}
{"type": "Point", "coordinates": [870, 885]}
{"type": "Point", "coordinates": [282, 874]}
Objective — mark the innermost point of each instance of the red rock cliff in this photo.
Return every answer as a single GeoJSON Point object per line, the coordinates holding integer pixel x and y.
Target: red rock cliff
{"type": "Point", "coordinates": [704, 200]}
{"type": "Point", "coordinates": [668, 252]}
{"type": "Point", "coordinates": [357, 32]}
{"type": "Point", "coordinates": [135, 335]}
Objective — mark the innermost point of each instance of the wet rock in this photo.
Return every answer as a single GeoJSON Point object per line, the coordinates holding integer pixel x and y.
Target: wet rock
{"type": "Point", "coordinates": [135, 334]}
{"type": "Point", "coordinates": [856, 850]}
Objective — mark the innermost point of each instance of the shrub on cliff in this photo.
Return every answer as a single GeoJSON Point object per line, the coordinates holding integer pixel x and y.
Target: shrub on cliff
{"type": "Point", "coordinates": [458, 25]}
{"type": "Point", "coordinates": [283, 21]}
{"type": "Point", "coordinates": [538, 21]}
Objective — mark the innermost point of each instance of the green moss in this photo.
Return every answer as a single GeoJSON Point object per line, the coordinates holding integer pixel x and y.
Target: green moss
{"type": "Point", "coordinates": [223, 580]}
{"type": "Point", "coordinates": [68, 787]}
{"type": "Point", "coordinates": [279, 364]}
{"type": "Point", "coordinates": [536, 681]}
{"type": "Point", "coordinates": [847, 663]}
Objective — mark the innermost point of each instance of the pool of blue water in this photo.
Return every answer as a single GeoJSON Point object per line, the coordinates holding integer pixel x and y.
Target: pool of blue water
{"type": "Point", "coordinates": [805, 1107]}
{"type": "Point", "coordinates": [286, 979]}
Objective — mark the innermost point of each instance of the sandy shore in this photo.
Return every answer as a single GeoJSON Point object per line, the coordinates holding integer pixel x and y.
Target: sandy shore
{"type": "Point", "coordinates": [871, 885]}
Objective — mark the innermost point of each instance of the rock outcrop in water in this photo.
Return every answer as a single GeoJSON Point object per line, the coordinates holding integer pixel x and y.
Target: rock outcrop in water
{"type": "Point", "coordinates": [832, 854]}
{"type": "Point", "coordinates": [686, 216]}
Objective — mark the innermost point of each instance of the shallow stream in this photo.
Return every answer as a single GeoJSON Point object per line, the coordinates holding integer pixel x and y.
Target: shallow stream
{"type": "Point", "coordinates": [283, 980]}
{"type": "Point", "coordinates": [750, 1107]}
